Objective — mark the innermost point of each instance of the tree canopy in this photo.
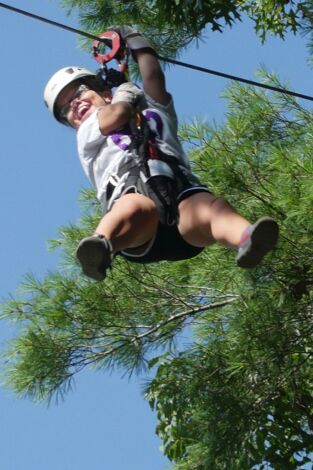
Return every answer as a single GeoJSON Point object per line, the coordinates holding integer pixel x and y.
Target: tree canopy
{"type": "Point", "coordinates": [172, 24]}
{"type": "Point", "coordinates": [240, 393]}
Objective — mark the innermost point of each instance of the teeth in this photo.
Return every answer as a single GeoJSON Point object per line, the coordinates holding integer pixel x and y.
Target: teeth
{"type": "Point", "coordinates": [81, 110]}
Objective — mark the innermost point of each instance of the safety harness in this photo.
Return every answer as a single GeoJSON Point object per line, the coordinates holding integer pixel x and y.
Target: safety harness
{"type": "Point", "coordinates": [159, 172]}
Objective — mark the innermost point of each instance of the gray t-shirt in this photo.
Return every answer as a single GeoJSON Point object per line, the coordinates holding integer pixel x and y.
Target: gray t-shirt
{"type": "Point", "coordinates": [103, 156]}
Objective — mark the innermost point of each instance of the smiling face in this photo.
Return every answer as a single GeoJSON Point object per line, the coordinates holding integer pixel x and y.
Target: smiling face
{"type": "Point", "coordinates": [77, 102]}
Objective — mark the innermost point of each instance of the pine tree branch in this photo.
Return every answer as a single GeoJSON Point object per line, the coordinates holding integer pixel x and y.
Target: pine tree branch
{"type": "Point", "coordinates": [161, 325]}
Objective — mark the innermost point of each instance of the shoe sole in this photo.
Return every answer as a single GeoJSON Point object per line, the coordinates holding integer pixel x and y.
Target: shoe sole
{"type": "Point", "coordinates": [263, 239]}
{"type": "Point", "coordinates": [93, 258]}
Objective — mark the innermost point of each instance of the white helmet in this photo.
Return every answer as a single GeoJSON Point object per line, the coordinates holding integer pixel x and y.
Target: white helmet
{"type": "Point", "coordinates": [59, 81]}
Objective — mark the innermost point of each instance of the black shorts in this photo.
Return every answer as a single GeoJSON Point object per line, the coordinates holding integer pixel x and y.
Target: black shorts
{"type": "Point", "coordinates": [168, 244]}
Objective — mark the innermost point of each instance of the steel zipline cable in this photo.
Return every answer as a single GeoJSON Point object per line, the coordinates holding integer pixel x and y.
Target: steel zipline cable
{"type": "Point", "coordinates": [164, 59]}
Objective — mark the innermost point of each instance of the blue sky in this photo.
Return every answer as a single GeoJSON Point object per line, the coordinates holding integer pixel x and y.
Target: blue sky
{"type": "Point", "coordinates": [104, 424]}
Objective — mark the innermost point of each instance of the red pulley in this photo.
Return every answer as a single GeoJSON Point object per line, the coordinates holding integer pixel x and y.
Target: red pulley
{"type": "Point", "coordinates": [112, 40]}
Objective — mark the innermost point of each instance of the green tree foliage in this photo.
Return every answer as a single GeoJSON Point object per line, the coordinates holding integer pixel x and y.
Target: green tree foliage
{"type": "Point", "coordinates": [172, 24]}
{"type": "Point", "coordinates": [240, 394]}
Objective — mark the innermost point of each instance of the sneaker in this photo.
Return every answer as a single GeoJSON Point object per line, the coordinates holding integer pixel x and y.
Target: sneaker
{"type": "Point", "coordinates": [256, 242]}
{"type": "Point", "coordinates": [95, 256]}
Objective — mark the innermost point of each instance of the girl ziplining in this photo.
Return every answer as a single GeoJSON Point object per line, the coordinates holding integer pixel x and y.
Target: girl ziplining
{"type": "Point", "coordinates": [154, 208]}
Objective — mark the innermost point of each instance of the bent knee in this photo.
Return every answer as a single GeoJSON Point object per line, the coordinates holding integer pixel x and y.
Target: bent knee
{"type": "Point", "coordinates": [195, 218]}
{"type": "Point", "coordinates": [137, 206]}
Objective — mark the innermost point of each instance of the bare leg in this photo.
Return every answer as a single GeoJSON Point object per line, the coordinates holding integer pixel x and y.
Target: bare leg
{"type": "Point", "coordinates": [131, 222]}
{"type": "Point", "coordinates": [206, 219]}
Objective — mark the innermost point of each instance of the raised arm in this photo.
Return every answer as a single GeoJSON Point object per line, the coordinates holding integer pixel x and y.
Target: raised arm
{"type": "Point", "coordinates": [152, 76]}
{"type": "Point", "coordinates": [149, 66]}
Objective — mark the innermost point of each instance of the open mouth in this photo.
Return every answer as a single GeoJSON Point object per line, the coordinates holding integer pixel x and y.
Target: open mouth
{"type": "Point", "coordinates": [82, 110]}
